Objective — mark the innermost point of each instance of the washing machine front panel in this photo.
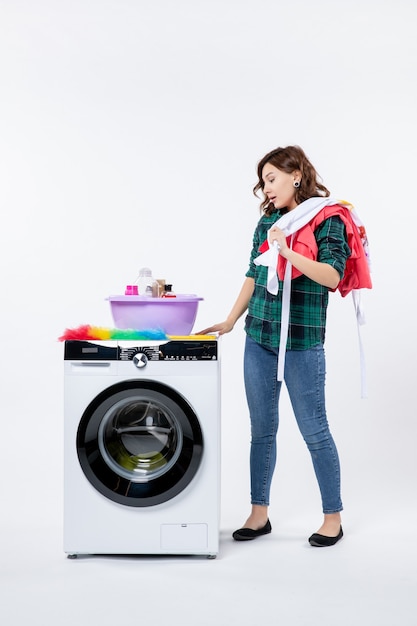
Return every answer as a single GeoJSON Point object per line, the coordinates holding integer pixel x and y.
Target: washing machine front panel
{"type": "Point", "coordinates": [139, 443]}
{"type": "Point", "coordinates": [120, 385]}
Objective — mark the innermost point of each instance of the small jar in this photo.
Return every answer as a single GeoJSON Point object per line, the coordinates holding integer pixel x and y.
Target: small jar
{"type": "Point", "coordinates": [168, 293]}
{"type": "Point", "coordinates": [131, 290]}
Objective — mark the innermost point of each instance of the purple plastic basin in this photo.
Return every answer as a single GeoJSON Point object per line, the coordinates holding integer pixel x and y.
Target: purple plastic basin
{"type": "Point", "coordinates": [174, 316]}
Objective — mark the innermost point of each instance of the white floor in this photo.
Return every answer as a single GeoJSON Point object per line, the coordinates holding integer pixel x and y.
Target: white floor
{"type": "Point", "coordinates": [369, 578]}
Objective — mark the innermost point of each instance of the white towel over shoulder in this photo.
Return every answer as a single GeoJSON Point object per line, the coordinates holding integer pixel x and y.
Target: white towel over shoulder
{"type": "Point", "coordinates": [290, 223]}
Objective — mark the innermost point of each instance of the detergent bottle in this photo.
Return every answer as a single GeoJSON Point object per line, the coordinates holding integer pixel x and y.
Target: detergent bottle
{"type": "Point", "coordinates": [147, 285]}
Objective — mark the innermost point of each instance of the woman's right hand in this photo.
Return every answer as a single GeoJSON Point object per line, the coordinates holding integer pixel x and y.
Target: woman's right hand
{"type": "Point", "coordinates": [221, 328]}
{"type": "Point", "coordinates": [237, 311]}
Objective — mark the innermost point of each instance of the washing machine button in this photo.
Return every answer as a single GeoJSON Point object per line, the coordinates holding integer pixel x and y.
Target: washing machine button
{"type": "Point", "coordinates": [140, 360]}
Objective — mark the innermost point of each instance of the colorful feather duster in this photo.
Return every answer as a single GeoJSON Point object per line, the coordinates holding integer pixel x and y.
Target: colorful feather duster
{"type": "Point", "coordinates": [87, 332]}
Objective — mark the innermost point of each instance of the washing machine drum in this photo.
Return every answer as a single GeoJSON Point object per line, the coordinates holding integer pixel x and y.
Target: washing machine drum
{"type": "Point", "coordinates": [139, 443]}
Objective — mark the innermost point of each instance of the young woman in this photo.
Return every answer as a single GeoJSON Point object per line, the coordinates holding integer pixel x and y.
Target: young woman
{"type": "Point", "coordinates": [304, 232]}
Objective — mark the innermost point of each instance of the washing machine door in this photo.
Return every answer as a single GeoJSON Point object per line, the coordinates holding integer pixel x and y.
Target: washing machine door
{"type": "Point", "coordinates": [139, 443]}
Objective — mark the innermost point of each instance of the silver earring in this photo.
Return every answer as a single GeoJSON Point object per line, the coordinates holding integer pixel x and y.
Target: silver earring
{"type": "Point", "coordinates": [296, 184]}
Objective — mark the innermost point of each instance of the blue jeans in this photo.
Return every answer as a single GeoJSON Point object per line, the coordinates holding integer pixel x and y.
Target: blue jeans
{"type": "Point", "coordinates": [304, 376]}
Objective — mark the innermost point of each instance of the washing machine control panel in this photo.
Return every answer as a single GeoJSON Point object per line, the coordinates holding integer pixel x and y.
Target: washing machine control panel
{"type": "Point", "coordinates": [171, 351]}
{"type": "Point", "coordinates": [140, 354]}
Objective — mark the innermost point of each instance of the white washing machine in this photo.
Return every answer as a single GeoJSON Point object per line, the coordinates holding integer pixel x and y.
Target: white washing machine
{"type": "Point", "coordinates": [142, 447]}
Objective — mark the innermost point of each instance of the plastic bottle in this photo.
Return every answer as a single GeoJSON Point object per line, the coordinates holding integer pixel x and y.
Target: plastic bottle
{"type": "Point", "coordinates": [147, 286]}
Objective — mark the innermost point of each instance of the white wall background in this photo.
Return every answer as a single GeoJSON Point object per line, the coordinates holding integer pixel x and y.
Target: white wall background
{"type": "Point", "coordinates": [129, 136]}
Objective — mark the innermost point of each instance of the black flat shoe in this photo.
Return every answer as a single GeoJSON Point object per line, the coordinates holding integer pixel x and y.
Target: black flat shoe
{"type": "Point", "coordinates": [246, 534]}
{"type": "Point", "coordinates": [322, 541]}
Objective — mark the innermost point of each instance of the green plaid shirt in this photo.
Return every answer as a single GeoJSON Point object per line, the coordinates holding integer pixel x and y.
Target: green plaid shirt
{"type": "Point", "coordinates": [308, 299]}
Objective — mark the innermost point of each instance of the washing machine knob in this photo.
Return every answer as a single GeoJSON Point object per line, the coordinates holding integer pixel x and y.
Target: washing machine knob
{"type": "Point", "coordinates": [140, 359]}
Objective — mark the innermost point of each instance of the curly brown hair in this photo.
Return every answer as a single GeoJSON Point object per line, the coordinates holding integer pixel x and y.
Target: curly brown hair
{"type": "Point", "coordinates": [288, 160]}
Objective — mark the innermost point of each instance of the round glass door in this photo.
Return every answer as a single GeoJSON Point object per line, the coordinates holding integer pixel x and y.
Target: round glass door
{"type": "Point", "coordinates": [139, 443]}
